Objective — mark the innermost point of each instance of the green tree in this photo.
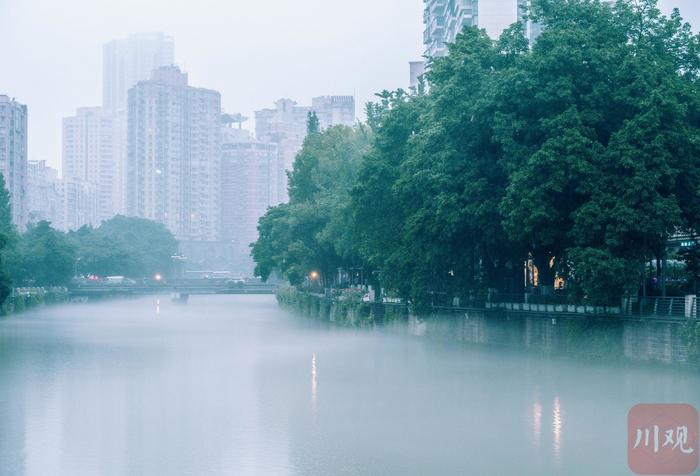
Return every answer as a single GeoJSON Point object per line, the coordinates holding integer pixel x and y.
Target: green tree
{"type": "Point", "coordinates": [309, 233]}
{"type": "Point", "coordinates": [124, 246]}
{"type": "Point", "coordinates": [47, 257]}
{"type": "Point", "coordinates": [313, 126]}
{"type": "Point", "coordinates": [8, 243]}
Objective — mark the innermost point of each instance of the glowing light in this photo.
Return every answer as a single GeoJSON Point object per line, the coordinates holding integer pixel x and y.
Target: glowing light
{"type": "Point", "coordinates": [314, 275]}
{"type": "Point", "coordinates": [158, 277]}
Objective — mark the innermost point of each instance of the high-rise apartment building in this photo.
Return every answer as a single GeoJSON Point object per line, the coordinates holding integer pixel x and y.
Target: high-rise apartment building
{"type": "Point", "coordinates": [88, 155]}
{"type": "Point", "coordinates": [43, 199]}
{"type": "Point", "coordinates": [13, 156]}
{"type": "Point", "coordinates": [174, 155]}
{"type": "Point", "coordinates": [445, 19]}
{"type": "Point", "coordinates": [124, 63]}
{"type": "Point", "coordinates": [285, 126]}
{"type": "Point", "coordinates": [249, 174]}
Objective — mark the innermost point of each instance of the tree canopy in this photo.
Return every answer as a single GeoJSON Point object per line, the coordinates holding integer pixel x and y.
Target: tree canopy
{"type": "Point", "coordinates": [124, 246]}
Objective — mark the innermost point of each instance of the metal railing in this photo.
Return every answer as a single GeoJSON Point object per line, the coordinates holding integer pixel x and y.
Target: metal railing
{"type": "Point", "coordinates": [675, 308]}
{"type": "Point", "coordinates": [680, 307]}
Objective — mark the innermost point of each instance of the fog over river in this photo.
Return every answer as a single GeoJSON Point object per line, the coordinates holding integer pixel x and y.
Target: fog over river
{"type": "Point", "coordinates": [235, 385]}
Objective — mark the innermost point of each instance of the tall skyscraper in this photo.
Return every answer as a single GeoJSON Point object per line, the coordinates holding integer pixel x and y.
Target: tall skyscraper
{"type": "Point", "coordinates": [285, 126]}
{"type": "Point", "coordinates": [174, 155]}
{"type": "Point", "coordinates": [249, 173]}
{"type": "Point", "coordinates": [124, 63]}
{"type": "Point", "coordinates": [13, 156]}
{"type": "Point", "coordinates": [445, 19]}
{"type": "Point", "coordinates": [88, 155]}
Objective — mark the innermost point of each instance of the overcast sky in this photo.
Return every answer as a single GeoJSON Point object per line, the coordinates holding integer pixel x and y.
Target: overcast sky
{"type": "Point", "coordinates": [252, 51]}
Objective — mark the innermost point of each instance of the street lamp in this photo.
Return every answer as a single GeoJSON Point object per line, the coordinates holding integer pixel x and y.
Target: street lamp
{"type": "Point", "coordinates": [313, 275]}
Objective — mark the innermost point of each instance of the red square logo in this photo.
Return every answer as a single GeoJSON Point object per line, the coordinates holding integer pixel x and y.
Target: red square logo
{"type": "Point", "coordinates": [662, 439]}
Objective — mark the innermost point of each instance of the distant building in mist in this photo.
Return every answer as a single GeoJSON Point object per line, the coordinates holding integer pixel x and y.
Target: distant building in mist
{"type": "Point", "coordinates": [13, 156]}
{"type": "Point", "coordinates": [88, 155]}
{"type": "Point", "coordinates": [125, 62]}
{"type": "Point", "coordinates": [174, 155]}
{"type": "Point", "coordinates": [334, 110]}
{"type": "Point", "coordinates": [249, 177]}
{"type": "Point", "coordinates": [69, 203]}
{"type": "Point", "coordinates": [445, 19]}
{"type": "Point", "coordinates": [128, 61]}
{"type": "Point", "coordinates": [43, 199]}
{"type": "Point", "coordinates": [77, 204]}
{"type": "Point", "coordinates": [285, 126]}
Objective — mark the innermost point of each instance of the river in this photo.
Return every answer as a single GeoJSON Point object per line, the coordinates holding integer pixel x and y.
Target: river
{"type": "Point", "coordinates": [234, 385]}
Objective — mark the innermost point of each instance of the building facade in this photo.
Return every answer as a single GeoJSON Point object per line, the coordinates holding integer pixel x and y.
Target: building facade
{"type": "Point", "coordinates": [285, 126]}
{"type": "Point", "coordinates": [43, 199]}
{"type": "Point", "coordinates": [77, 204]}
{"type": "Point", "coordinates": [249, 176]}
{"type": "Point", "coordinates": [173, 165]}
{"type": "Point", "coordinates": [445, 19]}
{"type": "Point", "coordinates": [88, 155]}
{"type": "Point", "coordinates": [334, 110]}
{"type": "Point", "coordinates": [13, 156]}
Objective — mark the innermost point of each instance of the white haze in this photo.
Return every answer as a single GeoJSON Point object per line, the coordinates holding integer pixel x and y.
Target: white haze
{"type": "Point", "coordinates": [253, 52]}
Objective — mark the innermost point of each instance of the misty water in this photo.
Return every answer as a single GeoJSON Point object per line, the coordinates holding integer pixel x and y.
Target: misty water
{"type": "Point", "coordinates": [234, 385]}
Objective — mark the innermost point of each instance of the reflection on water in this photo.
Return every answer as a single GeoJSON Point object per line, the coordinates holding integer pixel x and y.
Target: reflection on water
{"type": "Point", "coordinates": [313, 379]}
{"type": "Point", "coordinates": [556, 427]}
{"type": "Point", "coordinates": [220, 386]}
{"type": "Point", "coordinates": [536, 422]}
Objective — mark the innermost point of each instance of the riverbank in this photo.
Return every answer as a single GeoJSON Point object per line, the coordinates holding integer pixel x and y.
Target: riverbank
{"type": "Point", "coordinates": [598, 337]}
{"type": "Point", "coordinates": [24, 299]}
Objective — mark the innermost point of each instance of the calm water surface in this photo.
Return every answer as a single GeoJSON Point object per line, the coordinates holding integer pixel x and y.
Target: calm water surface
{"type": "Point", "coordinates": [236, 386]}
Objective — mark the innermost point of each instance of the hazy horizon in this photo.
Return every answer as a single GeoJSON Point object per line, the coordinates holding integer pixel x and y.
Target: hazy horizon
{"type": "Point", "coordinates": [252, 53]}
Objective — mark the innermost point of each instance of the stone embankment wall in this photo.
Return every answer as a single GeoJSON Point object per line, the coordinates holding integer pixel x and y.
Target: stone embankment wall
{"type": "Point", "coordinates": [595, 337]}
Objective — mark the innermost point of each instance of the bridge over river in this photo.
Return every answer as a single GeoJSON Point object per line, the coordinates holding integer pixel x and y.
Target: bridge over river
{"type": "Point", "coordinates": [179, 288]}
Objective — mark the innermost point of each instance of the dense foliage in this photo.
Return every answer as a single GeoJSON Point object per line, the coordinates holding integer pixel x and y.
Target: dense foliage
{"type": "Point", "coordinates": [580, 153]}
{"type": "Point", "coordinates": [124, 246]}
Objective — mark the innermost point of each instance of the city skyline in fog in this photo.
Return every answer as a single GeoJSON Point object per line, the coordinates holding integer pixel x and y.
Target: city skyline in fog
{"type": "Point", "coordinates": [252, 53]}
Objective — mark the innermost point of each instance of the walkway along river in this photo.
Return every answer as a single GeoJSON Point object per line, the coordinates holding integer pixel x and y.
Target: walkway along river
{"type": "Point", "coordinates": [236, 385]}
